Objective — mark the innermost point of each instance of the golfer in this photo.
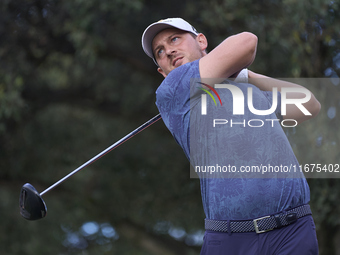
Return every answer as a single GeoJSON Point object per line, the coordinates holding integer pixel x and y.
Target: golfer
{"type": "Point", "coordinates": [245, 213]}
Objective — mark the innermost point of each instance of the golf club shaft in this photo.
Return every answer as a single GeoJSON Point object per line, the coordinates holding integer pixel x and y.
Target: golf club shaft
{"type": "Point", "coordinates": [113, 146]}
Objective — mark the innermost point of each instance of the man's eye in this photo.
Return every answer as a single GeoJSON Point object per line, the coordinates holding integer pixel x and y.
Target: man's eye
{"type": "Point", "coordinates": [160, 52]}
{"type": "Point", "coordinates": [174, 39]}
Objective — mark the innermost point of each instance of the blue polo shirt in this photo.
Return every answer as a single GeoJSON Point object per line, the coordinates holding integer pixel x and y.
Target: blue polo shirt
{"type": "Point", "coordinates": [242, 143]}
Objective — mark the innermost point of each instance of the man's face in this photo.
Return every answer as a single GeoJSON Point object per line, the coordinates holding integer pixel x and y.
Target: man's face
{"type": "Point", "coordinates": [173, 47]}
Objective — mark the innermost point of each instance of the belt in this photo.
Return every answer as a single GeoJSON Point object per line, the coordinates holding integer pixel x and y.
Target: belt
{"type": "Point", "coordinates": [259, 225]}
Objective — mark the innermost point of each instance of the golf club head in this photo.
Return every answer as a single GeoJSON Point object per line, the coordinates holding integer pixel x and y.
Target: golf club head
{"type": "Point", "coordinates": [32, 206]}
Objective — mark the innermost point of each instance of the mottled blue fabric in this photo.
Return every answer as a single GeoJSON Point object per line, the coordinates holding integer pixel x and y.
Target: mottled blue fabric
{"type": "Point", "coordinates": [231, 196]}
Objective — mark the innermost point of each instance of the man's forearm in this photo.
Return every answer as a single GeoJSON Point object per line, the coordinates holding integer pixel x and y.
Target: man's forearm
{"type": "Point", "coordinates": [266, 83]}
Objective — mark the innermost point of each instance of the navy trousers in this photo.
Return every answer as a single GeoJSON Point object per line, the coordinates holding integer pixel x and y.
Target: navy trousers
{"type": "Point", "coordinates": [298, 238]}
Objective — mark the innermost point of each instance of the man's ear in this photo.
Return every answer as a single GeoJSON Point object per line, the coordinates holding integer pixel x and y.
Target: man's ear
{"type": "Point", "coordinates": [160, 70]}
{"type": "Point", "coordinates": [202, 41]}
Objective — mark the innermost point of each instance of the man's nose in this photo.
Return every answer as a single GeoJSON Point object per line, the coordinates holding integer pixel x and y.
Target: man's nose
{"type": "Point", "coordinates": [170, 51]}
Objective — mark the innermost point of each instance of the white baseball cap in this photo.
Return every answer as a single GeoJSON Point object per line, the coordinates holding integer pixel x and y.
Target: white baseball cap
{"type": "Point", "coordinates": [152, 30]}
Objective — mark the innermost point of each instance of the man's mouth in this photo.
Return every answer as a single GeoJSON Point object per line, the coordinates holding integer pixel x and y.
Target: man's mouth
{"type": "Point", "coordinates": [177, 61]}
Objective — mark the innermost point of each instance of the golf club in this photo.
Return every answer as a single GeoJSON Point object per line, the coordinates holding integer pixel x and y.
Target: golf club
{"type": "Point", "coordinates": [33, 207]}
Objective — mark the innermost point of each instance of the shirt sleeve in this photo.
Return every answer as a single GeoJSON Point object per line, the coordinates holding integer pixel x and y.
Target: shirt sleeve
{"type": "Point", "coordinates": [173, 102]}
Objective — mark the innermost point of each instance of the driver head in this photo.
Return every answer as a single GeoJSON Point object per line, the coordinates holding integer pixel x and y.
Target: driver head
{"type": "Point", "coordinates": [32, 206]}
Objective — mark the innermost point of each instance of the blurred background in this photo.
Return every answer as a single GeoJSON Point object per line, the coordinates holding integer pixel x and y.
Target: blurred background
{"type": "Point", "coordinates": [74, 79]}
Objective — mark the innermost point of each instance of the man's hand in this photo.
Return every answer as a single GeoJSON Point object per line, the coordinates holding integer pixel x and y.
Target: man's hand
{"type": "Point", "coordinates": [242, 76]}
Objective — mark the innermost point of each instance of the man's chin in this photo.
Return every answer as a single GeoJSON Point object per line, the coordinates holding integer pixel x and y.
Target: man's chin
{"type": "Point", "coordinates": [182, 62]}
{"type": "Point", "coordinates": [176, 66]}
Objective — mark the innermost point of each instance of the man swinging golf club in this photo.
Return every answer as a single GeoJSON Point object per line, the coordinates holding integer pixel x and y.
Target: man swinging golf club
{"type": "Point", "coordinates": [245, 215]}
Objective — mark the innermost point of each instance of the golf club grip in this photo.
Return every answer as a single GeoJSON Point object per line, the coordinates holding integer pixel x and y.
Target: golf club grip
{"type": "Point", "coordinates": [104, 152]}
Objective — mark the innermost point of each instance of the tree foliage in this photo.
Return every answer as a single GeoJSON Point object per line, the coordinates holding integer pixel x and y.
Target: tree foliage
{"type": "Point", "coordinates": [74, 79]}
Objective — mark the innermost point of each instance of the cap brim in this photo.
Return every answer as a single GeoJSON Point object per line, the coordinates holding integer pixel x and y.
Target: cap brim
{"type": "Point", "coordinates": [150, 34]}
